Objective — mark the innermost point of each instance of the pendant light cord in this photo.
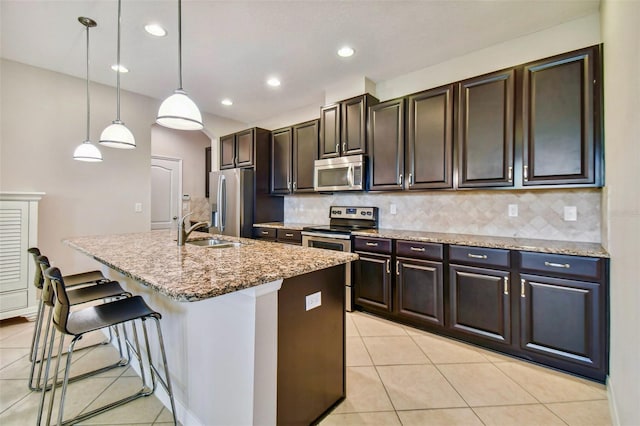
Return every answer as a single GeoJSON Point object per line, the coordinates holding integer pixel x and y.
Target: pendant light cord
{"type": "Point", "coordinates": [118, 65]}
{"type": "Point", "coordinates": [88, 102]}
{"type": "Point", "coordinates": [179, 44]}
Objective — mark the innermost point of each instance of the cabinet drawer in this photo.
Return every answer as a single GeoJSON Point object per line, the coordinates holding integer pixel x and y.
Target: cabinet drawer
{"type": "Point", "coordinates": [265, 233]}
{"type": "Point", "coordinates": [13, 300]}
{"type": "Point", "coordinates": [419, 250]}
{"type": "Point", "coordinates": [377, 245]}
{"type": "Point", "coordinates": [289, 236]}
{"type": "Point", "coordinates": [479, 256]}
{"type": "Point", "coordinates": [563, 265]}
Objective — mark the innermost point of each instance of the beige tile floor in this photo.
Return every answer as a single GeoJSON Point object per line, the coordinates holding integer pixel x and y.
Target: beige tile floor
{"type": "Point", "coordinates": [396, 375]}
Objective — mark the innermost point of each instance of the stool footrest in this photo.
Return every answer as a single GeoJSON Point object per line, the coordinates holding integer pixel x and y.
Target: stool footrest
{"type": "Point", "coordinates": [141, 393]}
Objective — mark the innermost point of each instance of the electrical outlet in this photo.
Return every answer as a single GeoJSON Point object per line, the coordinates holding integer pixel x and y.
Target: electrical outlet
{"type": "Point", "coordinates": [137, 207]}
{"type": "Point", "coordinates": [513, 210]}
{"type": "Point", "coordinates": [570, 213]}
{"type": "Point", "coordinates": [393, 209]}
{"type": "Point", "coordinates": [313, 300]}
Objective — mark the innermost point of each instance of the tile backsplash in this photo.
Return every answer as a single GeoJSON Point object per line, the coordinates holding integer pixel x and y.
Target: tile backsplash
{"type": "Point", "coordinates": [540, 212]}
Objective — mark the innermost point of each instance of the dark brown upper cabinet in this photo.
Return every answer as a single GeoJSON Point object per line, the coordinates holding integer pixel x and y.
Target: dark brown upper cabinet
{"type": "Point", "coordinates": [485, 130]}
{"type": "Point", "coordinates": [561, 131]}
{"type": "Point", "coordinates": [293, 151]}
{"type": "Point", "coordinates": [386, 145]}
{"type": "Point", "coordinates": [343, 127]}
{"type": "Point", "coordinates": [281, 161]}
{"type": "Point", "coordinates": [429, 156]}
{"type": "Point", "coordinates": [238, 149]}
{"type": "Point", "coordinates": [305, 152]}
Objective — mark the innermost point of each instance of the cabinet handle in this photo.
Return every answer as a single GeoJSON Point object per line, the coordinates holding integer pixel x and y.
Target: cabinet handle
{"type": "Point", "coordinates": [295, 186]}
{"type": "Point", "coordinates": [557, 265]}
{"type": "Point", "coordinates": [288, 235]}
{"type": "Point", "coordinates": [477, 256]}
{"type": "Point", "coordinates": [289, 185]}
{"type": "Point", "coordinates": [510, 174]}
{"type": "Point", "coordinates": [265, 232]}
{"type": "Point", "coordinates": [400, 180]}
{"type": "Point", "coordinates": [410, 179]}
{"type": "Point", "coordinates": [526, 173]}
{"type": "Point", "coordinates": [522, 294]}
{"type": "Point", "coordinates": [388, 266]}
{"type": "Point", "coordinates": [337, 148]}
{"type": "Point", "coordinates": [421, 249]}
{"type": "Point", "coordinates": [344, 147]}
{"type": "Point", "coordinates": [506, 286]}
{"type": "Point", "coordinates": [372, 244]}
{"type": "Point", "coordinates": [397, 267]}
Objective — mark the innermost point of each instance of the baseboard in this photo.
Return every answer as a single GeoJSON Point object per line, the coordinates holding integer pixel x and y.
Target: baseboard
{"type": "Point", "coordinates": [615, 420]}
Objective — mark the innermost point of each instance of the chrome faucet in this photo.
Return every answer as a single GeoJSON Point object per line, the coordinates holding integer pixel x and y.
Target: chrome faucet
{"type": "Point", "coordinates": [184, 233]}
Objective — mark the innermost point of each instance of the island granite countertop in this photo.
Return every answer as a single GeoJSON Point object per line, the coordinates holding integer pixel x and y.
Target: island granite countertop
{"type": "Point", "coordinates": [190, 273]}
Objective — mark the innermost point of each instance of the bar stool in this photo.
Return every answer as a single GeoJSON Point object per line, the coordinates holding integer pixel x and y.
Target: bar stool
{"type": "Point", "coordinates": [93, 318]}
{"type": "Point", "coordinates": [86, 278]}
{"type": "Point", "coordinates": [83, 292]}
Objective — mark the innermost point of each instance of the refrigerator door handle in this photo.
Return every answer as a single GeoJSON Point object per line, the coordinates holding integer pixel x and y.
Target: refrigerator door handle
{"type": "Point", "coordinates": [222, 202]}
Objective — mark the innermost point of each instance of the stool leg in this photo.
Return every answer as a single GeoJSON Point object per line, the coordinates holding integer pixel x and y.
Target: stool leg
{"type": "Point", "coordinates": [38, 385]}
{"type": "Point", "coordinates": [167, 384]}
{"type": "Point", "coordinates": [65, 381]}
{"type": "Point", "coordinates": [36, 333]}
{"type": "Point", "coordinates": [46, 379]}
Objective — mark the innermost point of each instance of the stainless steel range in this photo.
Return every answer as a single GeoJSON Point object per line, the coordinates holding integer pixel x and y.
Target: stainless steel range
{"type": "Point", "coordinates": [337, 235]}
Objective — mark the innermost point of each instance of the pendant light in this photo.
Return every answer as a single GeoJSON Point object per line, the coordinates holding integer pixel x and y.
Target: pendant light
{"type": "Point", "coordinates": [87, 151]}
{"type": "Point", "coordinates": [116, 135]}
{"type": "Point", "coordinates": [178, 111]}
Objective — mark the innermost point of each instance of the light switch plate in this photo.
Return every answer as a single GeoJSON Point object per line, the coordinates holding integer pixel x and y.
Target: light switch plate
{"type": "Point", "coordinates": [513, 210]}
{"type": "Point", "coordinates": [393, 209]}
{"type": "Point", "coordinates": [313, 300]}
{"type": "Point", "coordinates": [137, 207]}
{"type": "Point", "coordinates": [570, 213]}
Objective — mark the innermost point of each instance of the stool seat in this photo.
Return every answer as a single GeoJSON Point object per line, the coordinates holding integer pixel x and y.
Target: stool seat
{"type": "Point", "coordinates": [108, 314]}
{"type": "Point", "coordinates": [95, 292]}
{"type": "Point", "coordinates": [83, 278]}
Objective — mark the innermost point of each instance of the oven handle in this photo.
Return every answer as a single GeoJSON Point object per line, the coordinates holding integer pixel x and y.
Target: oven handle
{"type": "Point", "coordinates": [350, 176]}
{"type": "Point", "coordinates": [325, 235]}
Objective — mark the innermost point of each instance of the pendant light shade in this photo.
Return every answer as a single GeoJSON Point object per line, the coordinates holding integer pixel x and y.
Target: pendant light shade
{"type": "Point", "coordinates": [87, 151]}
{"type": "Point", "coordinates": [178, 111]}
{"type": "Point", "coordinates": [116, 135]}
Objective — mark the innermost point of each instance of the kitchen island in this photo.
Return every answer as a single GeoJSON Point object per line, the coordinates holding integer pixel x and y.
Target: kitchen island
{"type": "Point", "coordinates": [228, 316]}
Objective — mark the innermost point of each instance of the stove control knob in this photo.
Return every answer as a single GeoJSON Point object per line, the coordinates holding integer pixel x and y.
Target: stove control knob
{"type": "Point", "coordinates": [368, 213]}
{"type": "Point", "coordinates": [363, 213]}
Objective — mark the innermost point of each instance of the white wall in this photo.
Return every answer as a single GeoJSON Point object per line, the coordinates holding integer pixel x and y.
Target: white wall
{"type": "Point", "coordinates": [43, 120]}
{"type": "Point", "coordinates": [621, 36]}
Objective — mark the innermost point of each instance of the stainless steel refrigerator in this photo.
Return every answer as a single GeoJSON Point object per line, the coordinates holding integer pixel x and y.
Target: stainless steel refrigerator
{"type": "Point", "coordinates": [231, 195]}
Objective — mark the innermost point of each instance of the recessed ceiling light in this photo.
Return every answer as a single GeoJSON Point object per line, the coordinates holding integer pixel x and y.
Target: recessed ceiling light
{"type": "Point", "coordinates": [227, 102]}
{"type": "Point", "coordinates": [155, 30]}
{"type": "Point", "coordinates": [346, 51]}
{"type": "Point", "coordinates": [120, 68]}
{"type": "Point", "coordinates": [273, 82]}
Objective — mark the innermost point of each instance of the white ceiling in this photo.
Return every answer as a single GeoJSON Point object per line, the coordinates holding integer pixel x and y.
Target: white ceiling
{"type": "Point", "coordinates": [231, 47]}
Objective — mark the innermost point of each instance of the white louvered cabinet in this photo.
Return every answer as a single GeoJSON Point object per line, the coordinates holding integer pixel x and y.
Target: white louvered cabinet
{"type": "Point", "coordinates": [18, 232]}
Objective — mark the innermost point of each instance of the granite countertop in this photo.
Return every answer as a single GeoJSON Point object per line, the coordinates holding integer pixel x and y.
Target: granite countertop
{"type": "Point", "coordinates": [283, 225]}
{"type": "Point", "coordinates": [526, 244]}
{"type": "Point", "coordinates": [190, 273]}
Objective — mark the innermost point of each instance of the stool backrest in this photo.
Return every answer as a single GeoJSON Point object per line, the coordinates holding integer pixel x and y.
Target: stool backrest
{"type": "Point", "coordinates": [61, 306]}
{"type": "Point", "coordinates": [47, 288]}
{"type": "Point", "coordinates": [39, 279]}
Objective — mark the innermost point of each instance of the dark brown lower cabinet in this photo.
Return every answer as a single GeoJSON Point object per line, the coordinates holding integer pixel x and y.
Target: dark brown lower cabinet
{"type": "Point", "coordinates": [372, 278]}
{"type": "Point", "coordinates": [420, 290]}
{"type": "Point", "coordinates": [479, 302]}
{"type": "Point", "coordinates": [562, 319]}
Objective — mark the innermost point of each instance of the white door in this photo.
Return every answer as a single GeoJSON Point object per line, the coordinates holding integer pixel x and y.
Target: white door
{"type": "Point", "coordinates": [166, 190]}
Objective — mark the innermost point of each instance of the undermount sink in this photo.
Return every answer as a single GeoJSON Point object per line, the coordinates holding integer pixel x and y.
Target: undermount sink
{"type": "Point", "coordinates": [214, 243]}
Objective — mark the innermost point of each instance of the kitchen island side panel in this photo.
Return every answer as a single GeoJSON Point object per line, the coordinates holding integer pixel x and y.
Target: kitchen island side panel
{"type": "Point", "coordinates": [311, 346]}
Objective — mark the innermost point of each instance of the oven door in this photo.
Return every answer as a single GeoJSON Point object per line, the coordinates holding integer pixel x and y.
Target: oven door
{"type": "Point", "coordinates": [337, 244]}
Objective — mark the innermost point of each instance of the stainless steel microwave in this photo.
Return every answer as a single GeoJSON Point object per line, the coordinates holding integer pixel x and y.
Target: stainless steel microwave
{"type": "Point", "coordinates": [339, 174]}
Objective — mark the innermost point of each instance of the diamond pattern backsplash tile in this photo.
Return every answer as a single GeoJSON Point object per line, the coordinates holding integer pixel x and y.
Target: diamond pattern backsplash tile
{"type": "Point", "coordinates": [540, 212]}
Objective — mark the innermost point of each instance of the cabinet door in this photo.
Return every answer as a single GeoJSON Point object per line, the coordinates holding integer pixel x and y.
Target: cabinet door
{"type": "Point", "coordinates": [386, 145]}
{"type": "Point", "coordinates": [245, 156]}
{"type": "Point", "coordinates": [420, 290]}
{"type": "Point", "coordinates": [227, 152]}
{"type": "Point", "coordinates": [479, 300]}
{"type": "Point", "coordinates": [430, 139]}
{"type": "Point", "coordinates": [330, 131]}
{"type": "Point", "coordinates": [354, 114]}
{"type": "Point", "coordinates": [281, 161]}
{"type": "Point", "coordinates": [563, 319]}
{"type": "Point", "coordinates": [305, 152]}
{"type": "Point", "coordinates": [372, 276]}
{"type": "Point", "coordinates": [485, 130]}
{"type": "Point", "coordinates": [558, 121]}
